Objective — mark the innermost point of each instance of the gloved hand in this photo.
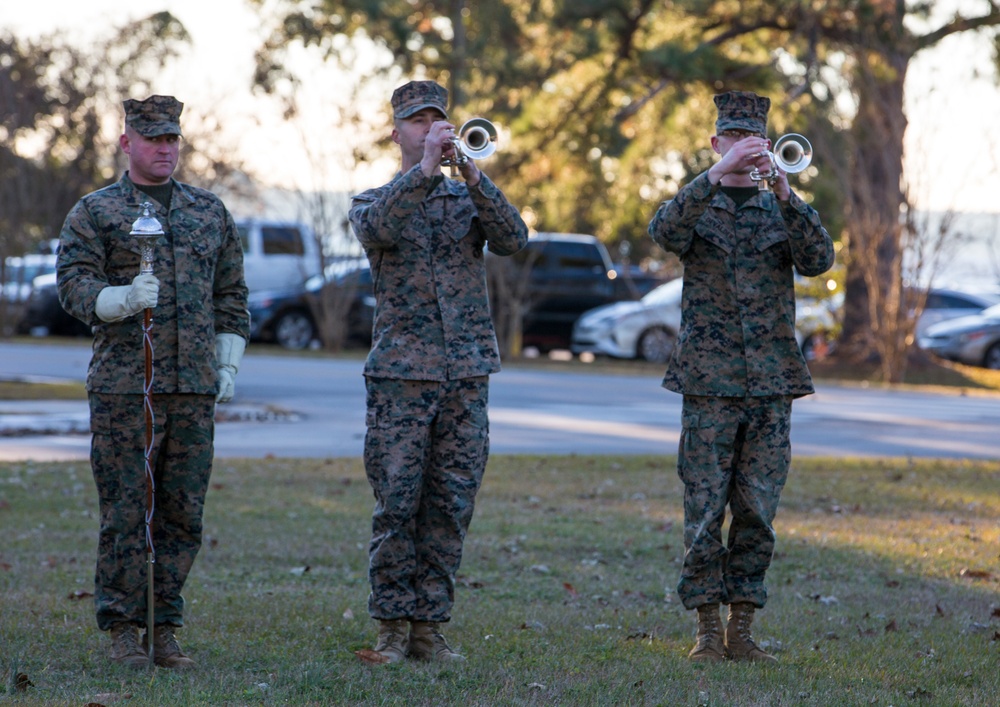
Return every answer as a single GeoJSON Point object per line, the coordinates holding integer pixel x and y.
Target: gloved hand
{"type": "Point", "coordinates": [116, 303]}
{"type": "Point", "coordinates": [229, 350]}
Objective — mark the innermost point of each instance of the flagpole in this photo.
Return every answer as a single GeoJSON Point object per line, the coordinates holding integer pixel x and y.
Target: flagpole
{"type": "Point", "coordinates": [146, 230]}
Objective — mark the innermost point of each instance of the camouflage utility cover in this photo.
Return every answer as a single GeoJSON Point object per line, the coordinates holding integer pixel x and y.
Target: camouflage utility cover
{"type": "Point", "coordinates": [199, 262]}
{"type": "Point", "coordinates": [154, 116]}
{"type": "Point", "coordinates": [742, 110]}
{"type": "Point", "coordinates": [737, 334]}
{"type": "Point", "coordinates": [424, 237]}
{"type": "Point", "coordinates": [417, 95]}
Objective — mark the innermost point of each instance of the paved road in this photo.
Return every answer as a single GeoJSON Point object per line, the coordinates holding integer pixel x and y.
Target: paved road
{"type": "Point", "coordinates": [318, 411]}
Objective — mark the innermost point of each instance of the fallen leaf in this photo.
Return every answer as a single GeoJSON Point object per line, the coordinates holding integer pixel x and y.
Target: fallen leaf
{"type": "Point", "coordinates": [535, 686]}
{"type": "Point", "coordinates": [938, 610]}
{"type": "Point", "coordinates": [995, 614]}
{"type": "Point", "coordinates": [367, 655]}
{"type": "Point", "coordinates": [975, 574]}
{"type": "Point", "coordinates": [892, 583]}
{"type": "Point", "coordinates": [891, 626]}
{"type": "Point", "coordinates": [571, 589]}
{"type": "Point", "coordinates": [299, 571]}
{"type": "Point", "coordinates": [80, 594]}
{"type": "Point", "coordinates": [6, 566]}
{"type": "Point", "coordinates": [348, 615]}
{"type": "Point", "coordinates": [22, 683]}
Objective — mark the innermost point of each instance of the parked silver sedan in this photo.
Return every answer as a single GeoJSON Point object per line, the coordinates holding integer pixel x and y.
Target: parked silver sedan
{"type": "Point", "coordinates": [973, 340]}
{"type": "Point", "coordinates": [645, 329]}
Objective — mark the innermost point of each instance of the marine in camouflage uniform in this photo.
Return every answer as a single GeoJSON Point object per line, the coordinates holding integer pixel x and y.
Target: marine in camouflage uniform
{"type": "Point", "coordinates": [737, 365]}
{"type": "Point", "coordinates": [433, 348]}
{"type": "Point", "coordinates": [200, 325]}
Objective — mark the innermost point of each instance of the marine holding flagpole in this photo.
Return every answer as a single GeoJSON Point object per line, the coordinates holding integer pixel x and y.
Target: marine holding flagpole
{"type": "Point", "coordinates": [196, 332]}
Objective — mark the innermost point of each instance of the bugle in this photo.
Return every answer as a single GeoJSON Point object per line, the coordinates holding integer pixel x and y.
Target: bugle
{"type": "Point", "coordinates": [476, 140]}
{"type": "Point", "coordinates": [792, 153]}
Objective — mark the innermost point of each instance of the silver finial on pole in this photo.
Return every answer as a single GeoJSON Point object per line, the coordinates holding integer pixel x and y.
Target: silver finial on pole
{"type": "Point", "coordinates": [146, 230]}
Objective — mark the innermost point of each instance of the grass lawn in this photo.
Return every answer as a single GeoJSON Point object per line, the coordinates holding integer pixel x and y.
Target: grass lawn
{"type": "Point", "coordinates": [884, 591]}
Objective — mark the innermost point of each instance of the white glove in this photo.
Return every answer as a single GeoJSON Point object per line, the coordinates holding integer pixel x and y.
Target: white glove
{"type": "Point", "coordinates": [229, 350]}
{"type": "Point", "coordinates": [116, 303]}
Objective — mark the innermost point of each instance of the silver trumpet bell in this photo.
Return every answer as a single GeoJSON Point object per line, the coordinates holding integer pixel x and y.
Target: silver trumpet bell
{"type": "Point", "coordinates": [476, 140]}
{"type": "Point", "coordinates": [792, 153]}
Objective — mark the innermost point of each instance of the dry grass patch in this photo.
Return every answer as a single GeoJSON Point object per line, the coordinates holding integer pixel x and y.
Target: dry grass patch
{"type": "Point", "coordinates": [883, 590]}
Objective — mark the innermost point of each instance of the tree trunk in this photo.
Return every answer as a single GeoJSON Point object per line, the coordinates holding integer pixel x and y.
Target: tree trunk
{"type": "Point", "coordinates": [873, 308]}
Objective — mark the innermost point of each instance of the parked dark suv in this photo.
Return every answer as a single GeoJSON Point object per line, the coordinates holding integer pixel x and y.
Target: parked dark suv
{"type": "Point", "coordinates": [288, 316]}
{"type": "Point", "coordinates": [44, 316]}
{"type": "Point", "coordinates": [564, 275]}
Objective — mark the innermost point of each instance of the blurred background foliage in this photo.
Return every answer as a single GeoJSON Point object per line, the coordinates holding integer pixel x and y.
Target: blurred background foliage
{"type": "Point", "coordinates": [605, 106]}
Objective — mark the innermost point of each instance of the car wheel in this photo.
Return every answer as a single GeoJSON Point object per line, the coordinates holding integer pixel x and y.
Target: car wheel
{"type": "Point", "coordinates": [817, 346]}
{"type": "Point", "coordinates": [294, 330]}
{"type": "Point", "coordinates": [992, 358]}
{"type": "Point", "coordinates": [656, 345]}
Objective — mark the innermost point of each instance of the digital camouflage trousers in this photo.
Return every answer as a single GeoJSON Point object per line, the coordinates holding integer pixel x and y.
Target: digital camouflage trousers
{"type": "Point", "coordinates": [425, 454]}
{"type": "Point", "coordinates": [735, 452]}
{"type": "Point", "coordinates": [181, 461]}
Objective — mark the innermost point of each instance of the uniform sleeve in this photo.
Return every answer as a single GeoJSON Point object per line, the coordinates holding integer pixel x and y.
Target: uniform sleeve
{"type": "Point", "coordinates": [379, 216]}
{"type": "Point", "coordinates": [673, 225]}
{"type": "Point", "coordinates": [502, 225]}
{"type": "Point", "coordinates": [229, 291]}
{"type": "Point", "coordinates": [812, 246]}
{"type": "Point", "coordinates": [80, 265]}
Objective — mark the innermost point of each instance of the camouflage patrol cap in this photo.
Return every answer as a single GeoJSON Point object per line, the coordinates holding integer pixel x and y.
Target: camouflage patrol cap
{"type": "Point", "coordinates": [742, 110]}
{"type": "Point", "coordinates": [156, 115]}
{"type": "Point", "coordinates": [417, 95]}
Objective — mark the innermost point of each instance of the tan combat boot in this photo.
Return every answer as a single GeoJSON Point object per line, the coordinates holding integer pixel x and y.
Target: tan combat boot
{"type": "Point", "coordinates": [708, 647]}
{"type": "Point", "coordinates": [391, 643]}
{"type": "Point", "coordinates": [739, 644]}
{"type": "Point", "coordinates": [167, 651]}
{"type": "Point", "coordinates": [125, 646]}
{"type": "Point", "coordinates": [427, 643]}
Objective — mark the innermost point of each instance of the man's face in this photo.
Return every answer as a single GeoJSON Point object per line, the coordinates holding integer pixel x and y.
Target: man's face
{"type": "Point", "coordinates": [151, 160]}
{"type": "Point", "coordinates": [409, 133]}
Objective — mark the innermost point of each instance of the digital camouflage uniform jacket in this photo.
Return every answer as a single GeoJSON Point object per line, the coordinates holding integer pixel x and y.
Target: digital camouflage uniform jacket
{"type": "Point", "coordinates": [199, 263]}
{"type": "Point", "coordinates": [424, 238]}
{"type": "Point", "coordinates": [737, 336]}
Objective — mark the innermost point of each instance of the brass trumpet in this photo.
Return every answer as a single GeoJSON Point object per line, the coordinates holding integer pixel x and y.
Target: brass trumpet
{"type": "Point", "coordinates": [476, 139]}
{"type": "Point", "coordinates": [792, 153]}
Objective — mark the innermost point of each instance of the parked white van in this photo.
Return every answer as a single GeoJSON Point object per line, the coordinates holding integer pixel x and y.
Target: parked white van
{"type": "Point", "coordinates": [277, 254]}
